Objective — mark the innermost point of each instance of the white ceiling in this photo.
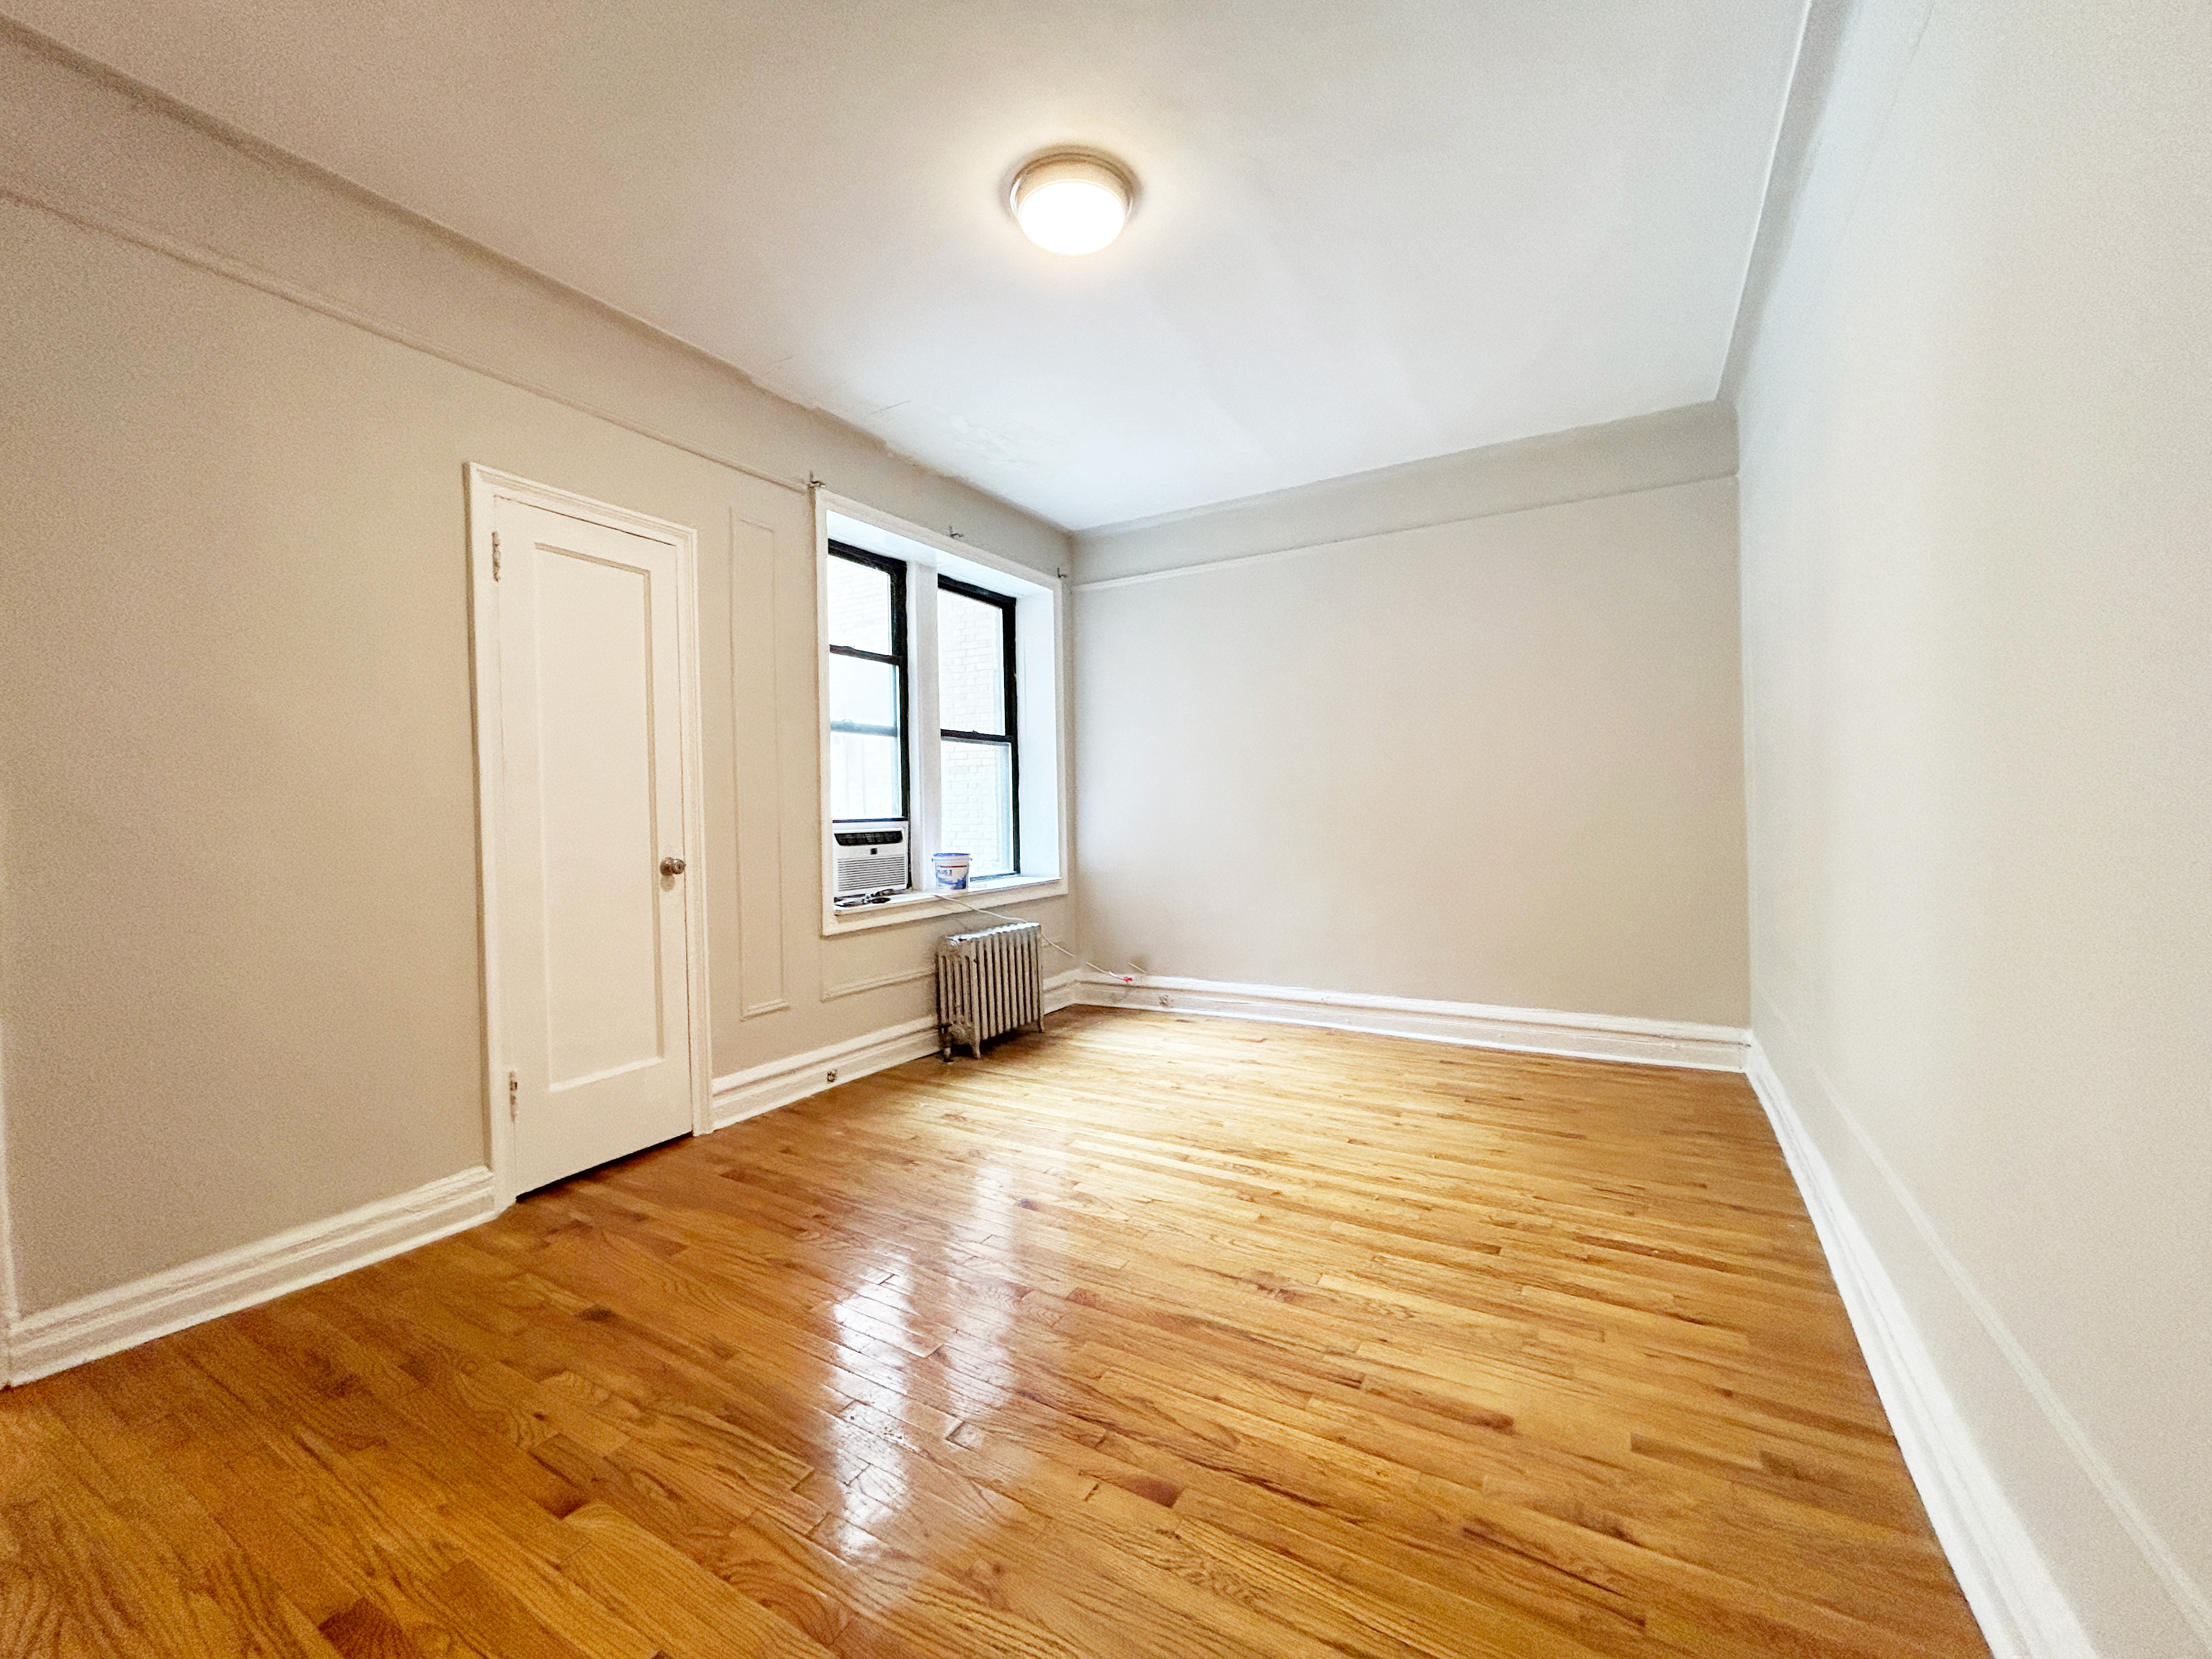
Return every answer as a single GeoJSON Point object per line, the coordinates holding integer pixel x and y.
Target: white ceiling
{"type": "Point", "coordinates": [1369, 232]}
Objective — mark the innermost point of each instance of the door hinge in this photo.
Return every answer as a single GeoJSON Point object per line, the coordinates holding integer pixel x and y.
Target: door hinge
{"type": "Point", "coordinates": [495, 555]}
{"type": "Point", "coordinates": [514, 1096]}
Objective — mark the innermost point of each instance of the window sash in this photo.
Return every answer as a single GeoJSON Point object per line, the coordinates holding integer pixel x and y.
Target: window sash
{"type": "Point", "coordinates": [1009, 740]}
{"type": "Point", "coordinates": [895, 659]}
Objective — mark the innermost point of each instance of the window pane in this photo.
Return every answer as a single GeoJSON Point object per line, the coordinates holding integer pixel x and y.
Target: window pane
{"type": "Point", "coordinates": [971, 664]}
{"type": "Point", "coordinates": [864, 776]}
{"type": "Point", "coordinates": [976, 794]}
{"type": "Point", "coordinates": [863, 693]}
{"type": "Point", "coordinates": [860, 605]}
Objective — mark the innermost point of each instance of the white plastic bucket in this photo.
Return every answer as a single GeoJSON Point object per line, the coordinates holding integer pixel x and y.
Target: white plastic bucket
{"type": "Point", "coordinates": [951, 869]}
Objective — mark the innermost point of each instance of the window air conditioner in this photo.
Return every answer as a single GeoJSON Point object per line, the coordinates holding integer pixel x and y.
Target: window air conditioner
{"type": "Point", "coordinates": [870, 855]}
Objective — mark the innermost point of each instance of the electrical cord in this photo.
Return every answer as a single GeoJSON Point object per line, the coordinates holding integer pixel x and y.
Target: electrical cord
{"type": "Point", "coordinates": [1049, 945]}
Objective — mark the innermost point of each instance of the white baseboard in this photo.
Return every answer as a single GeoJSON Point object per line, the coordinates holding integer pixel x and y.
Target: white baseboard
{"type": "Point", "coordinates": [107, 1321]}
{"type": "Point", "coordinates": [776, 1083]}
{"type": "Point", "coordinates": [1529, 1030]}
{"type": "Point", "coordinates": [1062, 991]}
{"type": "Point", "coordinates": [37, 1344]}
{"type": "Point", "coordinates": [2022, 1611]}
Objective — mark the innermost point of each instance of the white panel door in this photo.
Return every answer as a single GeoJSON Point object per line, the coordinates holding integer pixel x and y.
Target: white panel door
{"type": "Point", "coordinates": [596, 1020]}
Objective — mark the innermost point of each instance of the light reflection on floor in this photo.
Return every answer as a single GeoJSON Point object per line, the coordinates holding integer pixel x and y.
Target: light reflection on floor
{"type": "Point", "coordinates": [871, 1467]}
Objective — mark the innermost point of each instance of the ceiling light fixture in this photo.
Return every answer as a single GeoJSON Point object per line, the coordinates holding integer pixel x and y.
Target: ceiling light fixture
{"type": "Point", "coordinates": [1072, 201]}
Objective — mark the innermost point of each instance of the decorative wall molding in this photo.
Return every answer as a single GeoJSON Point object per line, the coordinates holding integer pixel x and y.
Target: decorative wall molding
{"type": "Point", "coordinates": [756, 683]}
{"type": "Point", "coordinates": [86, 217]}
{"type": "Point", "coordinates": [56, 1338]}
{"type": "Point", "coordinates": [1480, 1025]}
{"type": "Point", "coordinates": [2023, 1613]}
{"type": "Point", "coordinates": [776, 1083]}
{"type": "Point", "coordinates": [878, 983]}
{"type": "Point", "coordinates": [1819, 45]}
{"type": "Point", "coordinates": [272, 161]}
{"type": "Point", "coordinates": [90, 145]}
{"type": "Point", "coordinates": [1694, 444]}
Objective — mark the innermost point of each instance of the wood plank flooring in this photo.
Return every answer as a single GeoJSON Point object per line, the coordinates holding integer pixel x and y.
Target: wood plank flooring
{"type": "Point", "coordinates": [1150, 1336]}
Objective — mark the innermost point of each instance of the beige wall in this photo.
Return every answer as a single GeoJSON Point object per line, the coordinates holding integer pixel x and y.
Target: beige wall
{"type": "Point", "coordinates": [238, 958]}
{"type": "Point", "coordinates": [1978, 607]}
{"type": "Point", "coordinates": [1490, 760]}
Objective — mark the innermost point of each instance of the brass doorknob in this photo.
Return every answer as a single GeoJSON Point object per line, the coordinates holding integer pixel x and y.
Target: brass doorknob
{"type": "Point", "coordinates": [671, 866]}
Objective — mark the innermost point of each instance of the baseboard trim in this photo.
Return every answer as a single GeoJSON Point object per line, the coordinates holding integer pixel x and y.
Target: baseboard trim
{"type": "Point", "coordinates": [107, 1321]}
{"type": "Point", "coordinates": [1474, 1024]}
{"type": "Point", "coordinates": [2021, 1610]}
{"type": "Point", "coordinates": [774, 1083]}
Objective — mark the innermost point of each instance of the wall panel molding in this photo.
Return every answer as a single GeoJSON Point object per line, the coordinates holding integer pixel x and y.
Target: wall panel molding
{"type": "Point", "coordinates": [754, 699]}
{"type": "Point", "coordinates": [880, 982]}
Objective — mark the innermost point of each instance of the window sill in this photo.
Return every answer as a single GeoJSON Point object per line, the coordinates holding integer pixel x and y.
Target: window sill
{"type": "Point", "coordinates": [924, 907]}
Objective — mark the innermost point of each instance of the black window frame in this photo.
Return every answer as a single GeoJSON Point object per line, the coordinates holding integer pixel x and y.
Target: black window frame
{"type": "Point", "coordinates": [1011, 736]}
{"type": "Point", "coordinates": [896, 569]}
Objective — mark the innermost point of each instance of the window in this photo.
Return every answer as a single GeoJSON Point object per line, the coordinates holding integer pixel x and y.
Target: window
{"type": "Point", "coordinates": [941, 678]}
{"type": "Point", "coordinates": [866, 609]}
{"type": "Point", "coordinates": [979, 775]}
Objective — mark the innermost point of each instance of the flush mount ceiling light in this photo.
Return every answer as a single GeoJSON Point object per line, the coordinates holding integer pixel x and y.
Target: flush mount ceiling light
{"type": "Point", "coordinates": [1072, 201]}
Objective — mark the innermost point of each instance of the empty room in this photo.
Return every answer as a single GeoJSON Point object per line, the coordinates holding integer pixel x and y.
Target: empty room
{"type": "Point", "coordinates": [1106, 832]}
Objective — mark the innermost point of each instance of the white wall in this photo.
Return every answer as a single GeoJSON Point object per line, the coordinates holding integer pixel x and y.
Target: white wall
{"type": "Point", "coordinates": [1490, 759]}
{"type": "Point", "coordinates": [1977, 622]}
{"type": "Point", "coordinates": [239, 983]}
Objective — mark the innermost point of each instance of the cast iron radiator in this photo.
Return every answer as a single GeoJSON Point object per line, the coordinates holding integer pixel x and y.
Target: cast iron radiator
{"type": "Point", "coordinates": [988, 984]}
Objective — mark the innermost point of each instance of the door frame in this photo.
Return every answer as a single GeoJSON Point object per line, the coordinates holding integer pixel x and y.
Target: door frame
{"type": "Point", "coordinates": [486, 488]}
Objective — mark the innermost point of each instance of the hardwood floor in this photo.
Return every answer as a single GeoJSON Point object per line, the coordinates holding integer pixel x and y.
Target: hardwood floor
{"type": "Point", "coordinates": [1152, 1336]}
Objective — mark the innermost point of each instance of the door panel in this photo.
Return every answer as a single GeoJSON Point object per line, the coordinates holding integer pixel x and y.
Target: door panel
{"type": "Point", "coordinates": [597, 1013]}
{"type": "Point", "coordinates": [595, 794]}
